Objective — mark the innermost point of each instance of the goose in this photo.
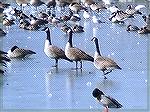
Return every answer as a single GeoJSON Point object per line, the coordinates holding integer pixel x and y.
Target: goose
{"type": "Point", "coordinates": [8, 22]}
{"type": "Point", "coordinates": [86, 15]}
{"type": "Point", "coordinates": [107, 101]}
{"type": "Point", "coordinates": [51, 4]}
{"type": "Point", "coordinates": [4, 5]}
{"type": "Point", "coordinates": [113, 9]}
{"type": "Point", "coordinates": [147, 20]}
{"type": "Point", "coordinates": [105, 64]}
{"type": "Point", "coordinates": [132, 28]}
{"type": "Point", "coordinates": [53, 51]}
{"type": "Point", "coordinates": [65, 28]}
{"type": "Point", "coordinates": [143, 30]}
{"type": "Point", "coordinates": [78, 29]}
{"type": "Point", "coordinates": [22, 3]}
{"type": "Point", "coordinates": [75, 54]}
{"type": "Point", "coordinates": [2, 33]}
{"type": "Point", "coordinates": [16, 52]}
{"type": "Point", "coordinates": [76, 7]}
{"type": "Point", "coordinates": [43, 15]}
{"type": "Point", "coordinates": [97, 7]}
{"type": "Point", "coordinates": [119, 16]}
{"type": "Point", "coordinates": [3, 60]}
{"type": "Point", "coordinates": [96, 20]}
{"type": "Point", "coordinates": [134, 10]}
{"type": "Point", "coordinates": [37, 21]}
{"type": "Point", "coordinates": [36, 3]}
{"type": "Point", "coordinates": [87, 3]}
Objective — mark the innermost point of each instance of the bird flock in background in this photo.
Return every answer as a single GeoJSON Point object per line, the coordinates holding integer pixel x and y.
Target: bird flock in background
{"type": "Point", "coordinates": [72, 11]}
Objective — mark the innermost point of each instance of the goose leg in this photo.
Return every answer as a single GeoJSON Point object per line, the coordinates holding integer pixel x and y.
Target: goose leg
{"type": "Point", "coordinates": [80, 64]}
{"type": "Point", "coordinates": [76, 64]}
{"type": "Point", "coordinates": [56, 63]}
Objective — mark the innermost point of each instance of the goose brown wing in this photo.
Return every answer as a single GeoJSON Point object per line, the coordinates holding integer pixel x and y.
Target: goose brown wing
{"type": "Point", "coordinates": [80, 55]}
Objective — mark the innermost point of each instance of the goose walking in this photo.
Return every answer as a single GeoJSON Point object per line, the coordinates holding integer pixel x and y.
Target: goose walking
{"type": "Point", "coordinates": [16, 52]}
{"type": "Point", "coordinates": [53, 51]}
{"type": "Point", "coordinates": [107, 101]}
{"type": "Point", "coordinates": [106, 65]}
{"type": "Point", "coordinates": [75, 54]}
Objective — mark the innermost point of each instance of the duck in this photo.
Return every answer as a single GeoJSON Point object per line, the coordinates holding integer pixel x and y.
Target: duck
{"type": "Point", "coordinates": [134, 10]}
{"type": "Point", "coordinates": [53, 51]}
{"type": "Point", "coordinates": [144, 30]}
{"type": "Point", "coordinates": [76, 54]}
{"type": "Point", "coordinates": [105, 64]}
{"type": "Point", "coordinates": [2, 33]}
{"type": "Point", "coordinates": [107, 101]}
{"type": "Point", "coordinates": [96, 20]}
{"type": "Point", "coordinates": [16, 52]}
{"type": "Point", "coordinates": [132, 28]}
{"type": "Point", "coordinates": [78, 29]}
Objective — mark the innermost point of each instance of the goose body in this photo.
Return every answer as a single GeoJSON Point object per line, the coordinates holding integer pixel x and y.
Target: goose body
{"type": "Point", "coordinates": [2, 33]}
{"type": "Point", "coordinates": [16, 52]}
{"type": "Point", "coordinates": [53, 51]}
{"type": "Point", "coordinates": [86, 15]}
{"type": "Point", "coordinates": [131, 10]}
{"type": "Point", "coordinates": [132, 28]}
{"type": "Point", "coordinates": [107, 101]}
{"type": "Point", "coordinates": [105, 64]}
{"type": "Point", "coordinates": [76, 54]}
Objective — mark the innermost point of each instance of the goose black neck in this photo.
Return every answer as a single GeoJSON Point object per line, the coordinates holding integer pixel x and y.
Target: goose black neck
{"type": "Point", "coordinates": [97, 47]}
{"type": "Point", "coordinates": [48, 36]}
{"type": "Point", "coordinates": [70, 38]}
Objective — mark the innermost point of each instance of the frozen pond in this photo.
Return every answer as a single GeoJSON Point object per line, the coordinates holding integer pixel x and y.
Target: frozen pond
{"type": "Point", "coordinates": [33, 83]}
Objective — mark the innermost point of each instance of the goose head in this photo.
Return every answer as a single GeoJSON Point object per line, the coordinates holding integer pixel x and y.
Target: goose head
{"type": "Point", "coordinates": [97, 93]}
{"type": "Point", "coordinates": [13, 48]}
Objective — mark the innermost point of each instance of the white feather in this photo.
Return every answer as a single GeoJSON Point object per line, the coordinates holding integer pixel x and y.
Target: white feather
{"type": "Point", "coordinates": [139, 7]}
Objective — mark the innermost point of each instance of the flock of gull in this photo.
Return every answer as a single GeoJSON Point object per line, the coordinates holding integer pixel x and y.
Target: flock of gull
{"type": "Point", "coordinates": [71, 12]}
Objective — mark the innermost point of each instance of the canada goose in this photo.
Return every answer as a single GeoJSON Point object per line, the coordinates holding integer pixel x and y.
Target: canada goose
{"type": "Point", "coordinates": [86, 15]}
{"type": "Point", "coordinates": [75, 18]}
{"type": "Point", "coordinates": [97, 7]}
{"type": "Point", "coordinates": [134, 10]}
{"type": "Point", "coordinates": [8, 22]}
{"type": "Point", "coordinates": [36, 3]}
{"type": "Point", "coordinates": [3, 59]}
{"type": "Point", "coordinates": [113, 9]}
{"type": "Point", "coordinates": [37, 21]}
{"type": "Point", "coordinates": [143, 30]}
{"type": "Point", "coordinates": [96, 20]}
{"type": "Point", "coordinates": [53, 51]}
{"type": "Point", "coordinates": [105, 64]}
{"type": "Point", "coordinates": [147, 20]}
{"type": "Point", "coordinates": [87, 3]}
{"type": "Point", "coordinates": [78, 29]}
{"type": "Point", "coordinates": [22, 3]}
{"type": "Point", "coordinates": [43, 15]}
{"type": "Point", "coordinates": [75, 54]}
{"type": "Point", "coordinates": [107, 101]}
{"type": "Point", "coordinates": [76, 7]}
{"type": "Point", "coordinates": [4, 5]}
{"type": "Point", "coordinates": [132, 28]}
{"type": "Point", "coordinates": [51, 4]}
{"type": "Point", "coordinates": [16, 52]}
{"type": "Point", "coordinates": [119, 16]}
{"type": "Point", "coordinates": [65, 28]}
{"type": "Point", "coordinates": [62, 3]}
{"type": "Point", "coordinates": [2, 33]}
